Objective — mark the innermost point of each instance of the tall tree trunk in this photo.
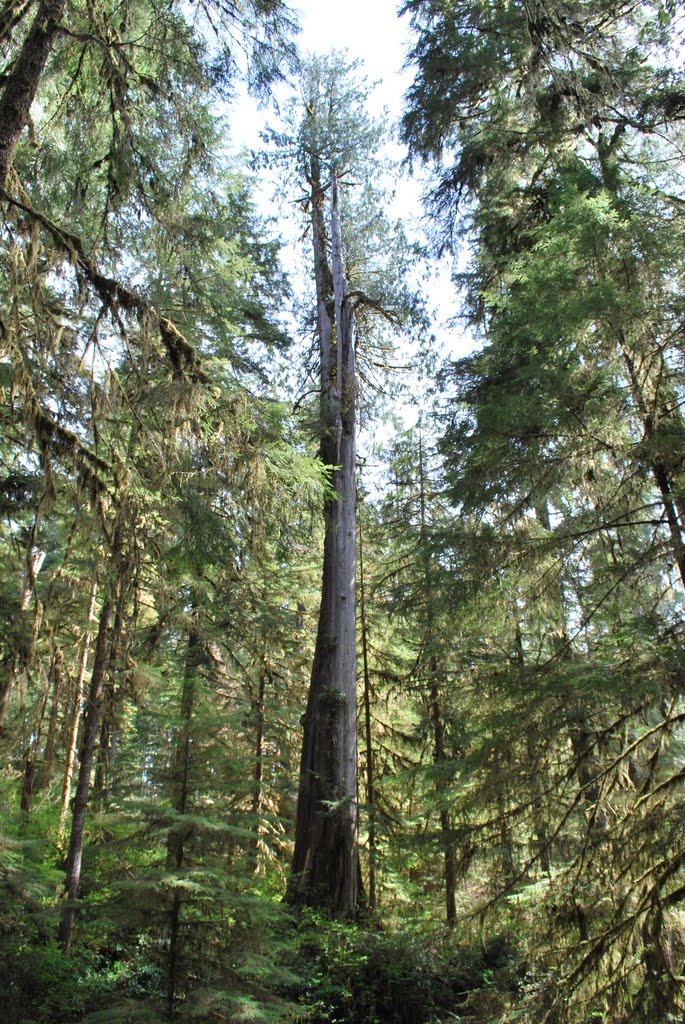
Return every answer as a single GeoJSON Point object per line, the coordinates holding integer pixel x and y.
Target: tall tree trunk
{"type": "Point", "coordinates": [436, 715]}
{"type": "Point", "coordinates": [581, 733]}
{"type": "Point", "coordinates": [28, 781]}
{"type": "Point", "coordinates": [51, 738]}
{"type": "Point", "coordinates": [86, 755]}
{"type": "Point", "coordinates": [325, 868]}
{"type": "Point", "coordinates": [370, 781]}
{"type": "Point", "coordinates": [6, 686]}
{"type": "Point", "coordinates": [657, 465]}
{"type": "Point", "coordinates": [439, 759]}
{"type": "Point", "coordinates": [109, 730]}
{"type": "Point", "coordinates": [91, 724]}
{"type": "Point", "coordinates": [107, 743]}
{"type": "Point", "coordinates": [540, 830]}
{"type": "Point", "coordinates": [34, 562]}
{"type": "Point", "coordinates": [23, 657]}
{"type": "Point", "coordinates": [178, 836]}
{"type": "Point", "coordinates": [33, 747]}
{"type": "Point", "coordinates": [75, 720]}
{"type": "Point", "coordinates": [258, 776]}
{"type": "Point", "coordinates": [23, 80]}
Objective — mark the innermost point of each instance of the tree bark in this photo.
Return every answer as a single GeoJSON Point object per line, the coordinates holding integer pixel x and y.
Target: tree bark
{"type": "Point", "coordinates": [541, 833]}
{"type": "Point", "coordinates": [657, 465]}
{"type": "Point", "coordinates": [439, 759]}
{"type": "Point", "coordinates": [23, 81]}
{"type": "Point", "coordinates": [176, 843]}
{"type": "Point", "coordinates": [325, 868]}
{"type": "Point", "coordinates": [34, 562]}
{"type": "Point", "coordinates": [51, 739]}
{"type": "Point", "coordinates": [581, 733]}
{"type": "Point", "coordinates": [437, 717]}
{"type": "Point", "coordinates": [22, 658]}
{"type": "Point", "coordinates": [109, 729]}
{"type": "Point", "coordinates": [87, 752]}
{"type": "Point", "coordinates": [33, 747]}
{"type": "Point", "coordinates": [258, 776]}
{"type": "Point", "coordinates": [370, 780]}
{"type": "Point", "coordinates": [75, 720]}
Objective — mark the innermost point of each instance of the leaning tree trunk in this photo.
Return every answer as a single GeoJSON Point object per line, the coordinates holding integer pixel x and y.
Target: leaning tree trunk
{"type": "Point", "coordinates": [22, 82]}
{"type": "Point", "coordinates": [91, 726]}
{"type": "Point", "coordinates": [326, 861]}
{"type": "Point", "coordinates": [87, 753]}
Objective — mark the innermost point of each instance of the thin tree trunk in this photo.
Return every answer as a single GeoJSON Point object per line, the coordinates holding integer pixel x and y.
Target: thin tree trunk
{"type": "Point", "coordinates": [86, 756]}
{"type": "Point", "coordinates": [325, 868]}
{"type": "Point", "coordinates": [34, 562]}
{"type": "Point", "coordinates": [257, 793]}
{"type": "Point", "coordinates": [541, 851]}
{"type": "Point", "coordinates": [51, 738]}
{"type": "Point", "coordinates": [6, 687]}
{"type": "Point", "coordinates": [28, 783]}
{"type": "Point", "coordinates": [506, 846]}
{"type": "Point", "coordinates": [75, 720]}
{"type": "Point", "coordinates": [109, 730]}
{"type": "Point", "coordinates": [370, 782]}
{"type": "Point", "coordinates": [23, 81]}
{"type": "Point", "coordinates": [439, 759]}
{"type": "Point", "coordinates": [437, 718]}
{"type": "Point", "coordinates": [656, 464]}
{"type": "Point", "coordinates": [107, 745]}
{"type": "Point", "coordinates": [178, 835]}
{"type": "Point", "coordinates": [581, 732]}
{"type": "Point", "coordinates": [22, 659]}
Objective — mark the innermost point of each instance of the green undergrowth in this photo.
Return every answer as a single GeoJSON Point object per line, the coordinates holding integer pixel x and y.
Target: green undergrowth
{"type": "Point", "coordinates": [275, 968]}
{"type": "Point", "coordinates": [363, 976]}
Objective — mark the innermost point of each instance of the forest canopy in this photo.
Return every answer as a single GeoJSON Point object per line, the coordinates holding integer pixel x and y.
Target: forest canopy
{"type": "Point", "coordinates": [307, 714]}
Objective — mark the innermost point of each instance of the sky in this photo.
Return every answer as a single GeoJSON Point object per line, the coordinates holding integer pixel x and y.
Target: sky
{"type": "Point", "coordinates": [369, 30]}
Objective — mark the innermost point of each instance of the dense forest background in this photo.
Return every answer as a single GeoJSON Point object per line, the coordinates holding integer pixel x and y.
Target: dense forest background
{"type": "Point", "coordinates": [292, 734]}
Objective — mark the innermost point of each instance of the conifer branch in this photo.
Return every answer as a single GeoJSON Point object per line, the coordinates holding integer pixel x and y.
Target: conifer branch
{"type": "Point", "coordinates": [114, 295]}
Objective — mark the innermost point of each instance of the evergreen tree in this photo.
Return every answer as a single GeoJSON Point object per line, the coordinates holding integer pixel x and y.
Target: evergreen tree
{"type": "Point", "coordinates": [359, 264]}
{"type": "Point", "coordinates": [564, 449]}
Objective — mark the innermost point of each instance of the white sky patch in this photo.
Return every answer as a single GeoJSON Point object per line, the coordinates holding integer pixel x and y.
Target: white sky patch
{"type": "Point", "coordinates": [369, 30]}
